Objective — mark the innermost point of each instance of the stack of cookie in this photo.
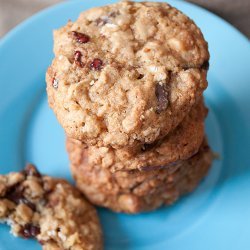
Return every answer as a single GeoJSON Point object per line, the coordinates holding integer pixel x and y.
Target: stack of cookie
{"type": "Point", "coordinates": [126, 84]}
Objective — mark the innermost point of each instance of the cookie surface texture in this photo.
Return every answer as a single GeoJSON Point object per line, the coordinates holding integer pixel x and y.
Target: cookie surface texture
{"type": "Point", "coordinates": [126, 74]}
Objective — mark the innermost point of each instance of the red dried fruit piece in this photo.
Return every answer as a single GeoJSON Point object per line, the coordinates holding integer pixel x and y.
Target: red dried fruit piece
{"type": "Point", "coordinates": [29, 231]}
{"type": "Point", "coordinates": [80, 37]}
{"type": "Point", "coordinates": [77, 58]}
{"type": "Point", "coordinates": [96, 64]}
{"type": "Point", "coordinates": [161, 93]}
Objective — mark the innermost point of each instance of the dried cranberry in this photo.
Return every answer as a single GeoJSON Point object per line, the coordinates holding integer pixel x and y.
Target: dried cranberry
{"type": "Point", "coordinates": [162, 97]}
{"type": "Point", "coordinates": [96, 64]}
{"type": "Point", "coordinates": [78, 57]}
{"type": "Point", "coordinates": [29, 231]}
{"type": "Point", "coordinates": [34, 230]}
{"type": "Point", "coordinates": [80, 37]}
{"type": "Point", "coordinates": [31, 170]}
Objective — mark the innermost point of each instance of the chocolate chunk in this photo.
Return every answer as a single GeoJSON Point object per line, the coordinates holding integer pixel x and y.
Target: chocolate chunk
{"type": "Point", "coordinates": [15, 194]}
{"type": "Point", "coordinates": [140, 76]}
{"type": "Point", "coordinates": [205, 65]}
{"type": "Point", "coordinates": [29, 231]}
{"type": "Point", "coordinates": [186, 67]}
{"type": "Point", "coordinates": [80, 37]}
{"type": "Point", "coordinates": [77, 58]}
{"type": "Point", "coordinates": [96, 64]}
{"type": "Point", "coordinates": [162, 97]}
{"type": "Point", "coordinates": [148, 146]}
{"type": "Point", "coordinates": [31, 170]}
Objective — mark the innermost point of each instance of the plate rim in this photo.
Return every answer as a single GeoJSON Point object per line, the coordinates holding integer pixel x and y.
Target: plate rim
{"type": "Point", "coordinates": [38, 15]}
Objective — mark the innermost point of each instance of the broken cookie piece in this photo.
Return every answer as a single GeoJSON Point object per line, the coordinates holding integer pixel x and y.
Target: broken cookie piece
{"type": "Point", "coordinates": [48, 209]}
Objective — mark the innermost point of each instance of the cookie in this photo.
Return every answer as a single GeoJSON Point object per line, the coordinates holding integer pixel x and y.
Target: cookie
{"type": "Point", "coordinates": [137, 191]}
{"type": "Point", "coordinates": [179, 145]}
{"type": "Point", "coordinates": [127, 73]}
{"type": "Point", "coordinates": [50, 210]}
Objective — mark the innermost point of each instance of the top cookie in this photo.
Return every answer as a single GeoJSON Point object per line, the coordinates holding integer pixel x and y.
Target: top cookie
{"type": "Point", "coordinates": [126, 73]}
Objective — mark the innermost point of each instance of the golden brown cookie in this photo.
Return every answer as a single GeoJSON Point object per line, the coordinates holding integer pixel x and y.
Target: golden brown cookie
{"type": "Point", "coordinates": [136, 191]}
{"type": "Point", "coordinates": [126, 74]}
{"type": "Point", "coordinates": [50, 210]}
{"type": "Point", "coordinates": [180, 144]}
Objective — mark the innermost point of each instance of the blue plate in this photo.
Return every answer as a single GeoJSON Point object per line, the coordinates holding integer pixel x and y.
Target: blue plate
{"type": "Point", "coordinates": [215, 216]}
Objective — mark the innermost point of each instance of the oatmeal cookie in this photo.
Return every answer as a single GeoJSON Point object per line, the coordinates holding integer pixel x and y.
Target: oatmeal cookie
{"type": "Point", "coordinates": [180, 144]}
{"type": "Point", "coordinates": [136, 191]}
{"type": "Point", "coordinates": [50, 210]}
{"type": "Point", "coordinates": [127, 73]}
